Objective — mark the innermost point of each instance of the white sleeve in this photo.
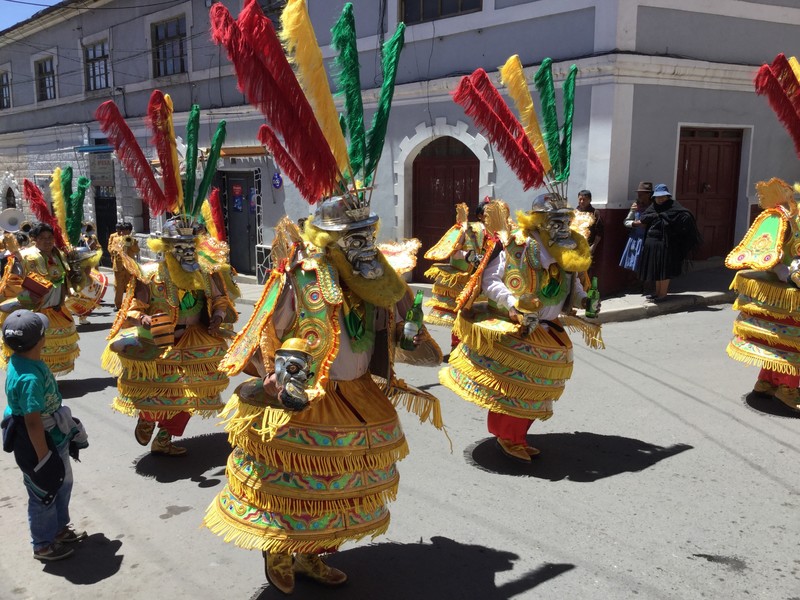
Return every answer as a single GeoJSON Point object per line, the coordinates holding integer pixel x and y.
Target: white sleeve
{"type": "Point", "coordinates": [284, 314]}
{"type": "Point", "coordinates": [492, 282]}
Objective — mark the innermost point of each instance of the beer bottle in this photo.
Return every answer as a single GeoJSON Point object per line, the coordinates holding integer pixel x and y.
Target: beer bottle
{"type": "Point", "coordinates": [413, 323]}
{"type": "Point", "coordinates": [592, 300]}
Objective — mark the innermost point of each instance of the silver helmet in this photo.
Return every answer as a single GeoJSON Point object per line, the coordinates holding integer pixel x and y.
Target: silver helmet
{"type": "Point", "coordinates": [342, 213]}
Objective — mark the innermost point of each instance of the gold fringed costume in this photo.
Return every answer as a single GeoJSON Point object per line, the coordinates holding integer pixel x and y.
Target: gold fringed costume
{"type": "Point", "coordinates": [307, 481]}
{"type": "Point", "coordinates": [61, 338]}
{"type": "Point", "coordinates": [766, 333]}
{"type": "Point", "coordinates": [497, 364]}
{"type": "Point", "coordinates": [183, 376]}
{"type": "Point", "coordinates": [450, 278]}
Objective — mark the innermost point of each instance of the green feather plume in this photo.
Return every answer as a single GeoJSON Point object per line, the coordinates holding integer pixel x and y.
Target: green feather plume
{"type": "Point", "coordinates": [211, 166]}
{"type": "Point", "coordinates": [344, 40]}
{"type": "Point", "coordinates": [192, 129]}
{"type": "Point", "coordinates": [75, 211]}
{"type": "Point", "coordinates": [569, 111]}
{"type": "Point", "coordinates": [547, 94]}
{"type": "Point", "coordinates": [66, 182]}
{"type": "Point", "coordinates": [380, 120]}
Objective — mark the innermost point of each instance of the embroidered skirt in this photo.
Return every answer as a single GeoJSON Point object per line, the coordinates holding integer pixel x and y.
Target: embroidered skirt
{"type": "Point", "coordinates": [308, 481]}
{"type": "Point", "coordinates": [183, 377]}
{"type": "Point", "coordinates": [767, 331]}
{"type": "Point", "coordinates": [497, 368]}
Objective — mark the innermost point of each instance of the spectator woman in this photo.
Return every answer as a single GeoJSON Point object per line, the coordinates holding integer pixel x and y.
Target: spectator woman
{"type": "Point", "coordinates": [671, 234]}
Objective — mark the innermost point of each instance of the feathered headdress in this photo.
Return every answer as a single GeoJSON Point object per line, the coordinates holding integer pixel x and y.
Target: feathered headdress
{"type": "Point", "coordinates": [68, 204]}
{"type": "Point", "coordinates": [179, 198]}
{"type": "Point", "coordinates": [780, 83]}
{"type": "Point", "coordinates": [33, 194]}
{"type": "Point", "coordinates": [539, 154]}
{"type": "Point", "coordinates": [305, 135]}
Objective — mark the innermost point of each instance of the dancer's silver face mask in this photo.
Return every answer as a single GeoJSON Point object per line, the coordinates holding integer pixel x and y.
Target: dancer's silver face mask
{"type": "Point", "coordinates": [557, 227]}
{"type": "Point", "coordinates": [186, 254]}
{"type": "Point", "coordinates": [361, 252]}
{"type": "Point", "coordinates": [292, 372]}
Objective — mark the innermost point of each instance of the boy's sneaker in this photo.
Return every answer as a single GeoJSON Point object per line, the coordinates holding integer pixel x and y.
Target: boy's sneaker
{"type": "Point", "coordinates": [54, 551]}
{"type": "Point", "coordinates": [69, 535]}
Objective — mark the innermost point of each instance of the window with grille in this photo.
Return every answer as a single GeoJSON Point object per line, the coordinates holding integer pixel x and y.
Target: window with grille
{"type": "Point", "coordinates": [169, 47]}
{"type": "Point", "coordinates": [5, 90]}
{"type": "Point", "coordinates": [95, 58]}
{"type": "Point", "coordinates": [419, 11]}
{"type": "Point", "coordinates": [45, 79]}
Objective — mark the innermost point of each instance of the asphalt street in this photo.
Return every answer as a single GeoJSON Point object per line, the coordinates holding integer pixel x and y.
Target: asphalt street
{"type": "Point", "coordinates": [659, 478]}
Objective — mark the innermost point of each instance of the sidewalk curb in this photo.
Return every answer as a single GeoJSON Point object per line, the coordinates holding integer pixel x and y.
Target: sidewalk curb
{"type": "Point", "coordinates": [677, 304]}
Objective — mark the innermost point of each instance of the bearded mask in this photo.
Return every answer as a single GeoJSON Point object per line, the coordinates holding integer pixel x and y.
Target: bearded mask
{"type": "Point", "coordinates": [186, 254]}
{"type": "Point", "coordinates": [359, 247]}
{"type": "Point", "coordinates": [557, 227]}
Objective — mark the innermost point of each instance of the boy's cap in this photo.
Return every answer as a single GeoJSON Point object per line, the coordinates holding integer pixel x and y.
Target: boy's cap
{"type": "Point", "coordinates": [23, 329]}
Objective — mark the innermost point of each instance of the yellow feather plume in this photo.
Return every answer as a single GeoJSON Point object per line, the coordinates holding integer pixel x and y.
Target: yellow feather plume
{"type": "Point", "coordinates": [301, 46]}
{"type": "Point", "coordinates": [513, 77]}
{"type": "Point", "coordinates": [795, 67]}
{"type": "Point", "coordinates": [178, 206]}
{"type": "Point", "coordinates": [59, 204]}
{"type": "Point", "coordinates": [205, 210]}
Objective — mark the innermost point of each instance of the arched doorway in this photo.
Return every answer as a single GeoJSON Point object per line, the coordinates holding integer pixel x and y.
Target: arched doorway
{"type": "Point", "coordinates": [11, 200]}
{"type": "Point", "coordinates": [445, 173]}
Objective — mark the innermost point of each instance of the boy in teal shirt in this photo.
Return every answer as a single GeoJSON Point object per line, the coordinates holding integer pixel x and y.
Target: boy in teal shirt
{"type": "Point", "coordinates": [39, 432]}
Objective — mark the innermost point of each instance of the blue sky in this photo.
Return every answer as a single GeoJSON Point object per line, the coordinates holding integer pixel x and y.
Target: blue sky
{"type": "Point", "coordinates": [12, 12]}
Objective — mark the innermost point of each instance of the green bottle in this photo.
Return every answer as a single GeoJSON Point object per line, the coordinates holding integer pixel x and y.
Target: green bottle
{"type": "Point", "coordinates": [592, 300]}
{"type": "Point", "coordinates": [413, 323]}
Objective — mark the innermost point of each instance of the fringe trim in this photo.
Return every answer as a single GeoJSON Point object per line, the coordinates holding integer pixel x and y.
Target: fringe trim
{"type": "Point", "coordinates": [779, 366]}
{"type": "Point", "coordinates": [312, 461]}
{"type": "Point", "coordinates": [446, 294]}
{"type": "Point", "coordinates": [592, 332]}
{"type": "Point", "coordinates": [445, 278]}
{"type": "Point", "coordinates": [432, 319]}
{"type": "Point", "coordinates": [243, 419]}
{"type": "Point", "coordinates": [748, 307]}
{"type": "Point", "coordinates": [152, 389]}
{"type": "Point", "coordinates": [234, 532]}
{"type": "Point", "coordinates": [369, 502]}
{"type": "Point", "coordinates": [128, 409]}
{"type": "Point", "coordinates": [504, 386]}
{"type": "Point", "coordinates": [748, 331]}
{"type": "Point", "coordinates": [776, 294]}
{"type": "Point", "coordinates": [110, 362]}
{"type": "Point", "coordinates": [484, 343]}
{"type": "Point", "coordinates": [488, 402]}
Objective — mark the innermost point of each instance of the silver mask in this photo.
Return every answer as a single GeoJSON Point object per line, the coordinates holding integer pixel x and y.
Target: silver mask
{"type": "Point", "coordinates": [361, 252]}
{"type": "Point", "coordinates": [557, 227]}
{"type": "Point", "coordinates": [292, 372]}
{"type": "Point", "coordinates": [186, 254]}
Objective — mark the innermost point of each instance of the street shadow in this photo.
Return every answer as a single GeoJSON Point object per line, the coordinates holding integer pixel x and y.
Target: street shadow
{"type": "Point", "coordinates": [442, 568]}
{"type": "Point", "coordinates": [767, 405]}
{"type": "Point", "coordinates": [95, 559]}
{"type": "Point", "coordinates": [706, 308]}
{"type": "Point", "coordinates": [90, 327]}
{"type": "Point", "coordinates": [204, 452]}
{"type": "Point", "coordinates": [76, 388]}
{"type": "Point", "coordinates": [580, 456]}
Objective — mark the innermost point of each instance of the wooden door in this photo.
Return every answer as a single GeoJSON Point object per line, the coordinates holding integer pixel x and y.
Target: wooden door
{"type": "Point", "coordinates": [444, 174]}
{"type": "Point", "coordinates": [708, 178]}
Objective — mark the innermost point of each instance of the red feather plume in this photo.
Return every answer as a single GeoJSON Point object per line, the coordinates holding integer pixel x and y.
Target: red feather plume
{"type": "Point", "coordinates": [267, 80]}
{"type": "Point", "coordinates": [158, 113]}
{"type": "Point", "coordinates": [767, 84]}
{"type": "Point", "coordinates": [476, 107]}
{"type": "Point", "coordinates": [267, 137]}
{"type": "Point", "coordinates": [131, 156]}
{"type": "Point", "coordinates": [216, 213]}
{"type": "Point", "coordinates": [489, 93]}
{"type": "Point", "coordinates": [42, 212]}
